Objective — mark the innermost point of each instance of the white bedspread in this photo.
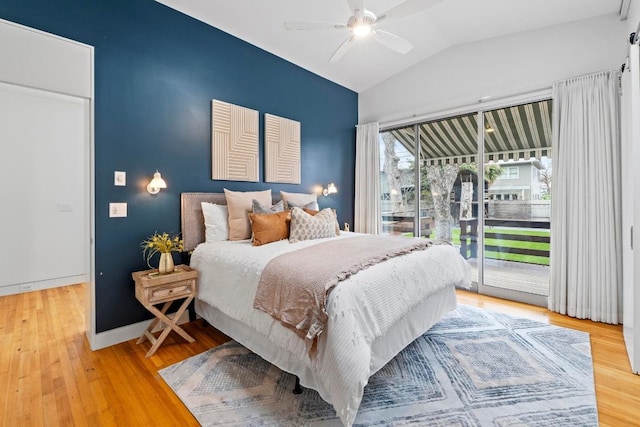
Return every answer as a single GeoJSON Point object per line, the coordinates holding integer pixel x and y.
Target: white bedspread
{"type": "Point", "coordinates": [360, 309]}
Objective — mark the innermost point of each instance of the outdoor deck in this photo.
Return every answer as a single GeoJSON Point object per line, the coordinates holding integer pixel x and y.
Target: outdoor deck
{"type": "Point", "coordinates": [517, 276]}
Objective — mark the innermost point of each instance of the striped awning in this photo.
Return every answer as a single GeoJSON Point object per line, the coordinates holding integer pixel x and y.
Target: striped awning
{"type": "Point", "coordinates": [519, 132]}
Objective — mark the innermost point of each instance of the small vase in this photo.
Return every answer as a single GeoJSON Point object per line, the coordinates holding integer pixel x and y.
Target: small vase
{"type": "Point", "coordinates": [166, 263]}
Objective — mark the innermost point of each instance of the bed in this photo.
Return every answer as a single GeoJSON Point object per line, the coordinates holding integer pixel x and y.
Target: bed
{"type": "Point", "coordinates": [373, 314]}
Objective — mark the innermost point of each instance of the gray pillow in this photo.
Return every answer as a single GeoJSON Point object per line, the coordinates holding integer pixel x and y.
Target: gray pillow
{"type": "Point", "coordinates": [311, 205]}
{"type": "Point", "coordinates": [300, 200]}
{"type": "Point", "coordinates": [259, 208]}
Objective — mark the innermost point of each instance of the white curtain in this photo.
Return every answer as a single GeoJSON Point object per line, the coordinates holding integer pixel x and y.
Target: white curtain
{"type": "Point", "coordinates": [367, 195]}
{"type": "Point", "coordinates": [586, 249]}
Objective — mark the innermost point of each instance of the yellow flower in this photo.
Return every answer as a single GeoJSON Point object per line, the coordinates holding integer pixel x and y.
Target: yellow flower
{"type": "Point", "coordinates": [160, 243]}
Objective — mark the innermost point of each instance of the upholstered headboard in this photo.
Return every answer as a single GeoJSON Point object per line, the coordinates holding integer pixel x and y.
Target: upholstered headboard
{"type": "Point", "coordinates": [191, 219]}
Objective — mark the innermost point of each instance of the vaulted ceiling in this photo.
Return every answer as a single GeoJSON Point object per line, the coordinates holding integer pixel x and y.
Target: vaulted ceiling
{"type": "Point", "coordinates": [446, 24]}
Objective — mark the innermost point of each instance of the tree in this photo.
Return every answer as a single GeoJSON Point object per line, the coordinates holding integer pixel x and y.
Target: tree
{"type": "Point", "coordinates": [425, 184]}
{"type": "Point", "coordinates": [545, 177]}
{"type": "Point", "coordinates": [392, 172]}
{"type": "Point", "coordinates": [491, 171]}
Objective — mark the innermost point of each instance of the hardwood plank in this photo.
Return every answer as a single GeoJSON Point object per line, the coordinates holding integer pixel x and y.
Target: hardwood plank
{"type": "Point", "coordinates": [49, 376]}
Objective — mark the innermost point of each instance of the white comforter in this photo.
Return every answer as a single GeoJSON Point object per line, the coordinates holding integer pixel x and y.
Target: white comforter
{"type": "Point", "coordinates": [360, 309]}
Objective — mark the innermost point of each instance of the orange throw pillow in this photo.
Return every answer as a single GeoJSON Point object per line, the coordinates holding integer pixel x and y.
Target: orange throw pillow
{"type": "Point", "coordinates": [269, 228]}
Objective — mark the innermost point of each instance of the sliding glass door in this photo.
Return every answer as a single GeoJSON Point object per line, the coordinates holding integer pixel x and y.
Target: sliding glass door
{"type": "Point", "coordinates": [435, 196]}
{"type": "Point", "coordinates": [482, 181]}
{"type": "Point", "coordinates": [518, 171]}
{"type": "Point", "coordinates": [449, 168]}
{"type": "Point", "coordinates": [397, 181]}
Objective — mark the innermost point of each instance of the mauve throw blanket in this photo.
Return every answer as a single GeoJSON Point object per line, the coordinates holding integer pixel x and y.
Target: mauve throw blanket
{"type": "Point", "coordinates": [294, 286]}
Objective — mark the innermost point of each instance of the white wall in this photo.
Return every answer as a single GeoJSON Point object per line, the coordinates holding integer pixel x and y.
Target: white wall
{"type": "Point", "coordinates": [504, 66]}
{"type": "Point", "coordinates": [44, 61]}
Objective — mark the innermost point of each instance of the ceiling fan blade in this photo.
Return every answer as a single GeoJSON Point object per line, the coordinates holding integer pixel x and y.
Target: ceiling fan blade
{"type": "Point", "coordinates": [406, 8]}
{"type": "Point", "coordinates": [357, 5]}
{"type": "Point", "coordinates": [313, 26]}
{"type": "Point", "coordinates": [392, 41]}
{"type": "Point", "coordinates": [342, 49]}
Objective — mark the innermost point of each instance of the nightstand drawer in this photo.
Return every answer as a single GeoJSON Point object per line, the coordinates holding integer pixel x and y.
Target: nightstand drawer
{"type": "Point", "coordinates": [173, 291]}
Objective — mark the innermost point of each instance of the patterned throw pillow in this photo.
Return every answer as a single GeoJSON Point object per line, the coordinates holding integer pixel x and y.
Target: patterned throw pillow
{"type": "Point", "coordinates": [308, 227]}
{"type": "Point", "coordinates": [335, 214]}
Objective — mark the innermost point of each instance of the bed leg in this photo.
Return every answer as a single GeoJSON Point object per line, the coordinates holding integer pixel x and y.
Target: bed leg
{"type": "Point", "coordinates": [204, 323]}
{"type": "Point", "coordinates": [297, 389]}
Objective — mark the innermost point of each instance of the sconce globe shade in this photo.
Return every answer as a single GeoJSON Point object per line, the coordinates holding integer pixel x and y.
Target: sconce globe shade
{"type": "Point", "coordinates": [156, 184]}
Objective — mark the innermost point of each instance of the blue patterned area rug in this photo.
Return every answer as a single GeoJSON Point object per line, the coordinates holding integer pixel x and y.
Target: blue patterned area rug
{"type": "Point", "coordinates": [474, 368]}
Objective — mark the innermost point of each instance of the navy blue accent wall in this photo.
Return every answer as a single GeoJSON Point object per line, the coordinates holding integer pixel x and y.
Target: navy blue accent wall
{"type": "Point", "coordinates": [156, 72]}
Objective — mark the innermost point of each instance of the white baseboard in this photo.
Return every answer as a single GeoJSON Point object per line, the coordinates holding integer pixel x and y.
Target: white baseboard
{"type": "Point", "coordinates": [42, 284]}
{"type": "Point", "coordinates": [129, 332]}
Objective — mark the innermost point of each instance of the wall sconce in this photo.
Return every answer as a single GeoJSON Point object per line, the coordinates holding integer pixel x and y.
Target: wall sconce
{"type": "Point", "coordinates": [156, 183]}
{"type": "Point", "coordinates": [331, 189]}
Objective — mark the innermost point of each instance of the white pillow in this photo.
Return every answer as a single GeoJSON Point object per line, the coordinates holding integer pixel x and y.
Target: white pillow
{"type": "Point", "coordinates": [216, 222]}
{"type": "Point", "coordinates": [308, 227]}
{"type": "Point", "coordinates": [309, 201]}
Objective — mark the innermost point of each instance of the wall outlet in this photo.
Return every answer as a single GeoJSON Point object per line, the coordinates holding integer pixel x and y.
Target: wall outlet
{"type": "Point", "coordinates": [117, 210]}
{"type": "Point", "coordinates": [346, 226]}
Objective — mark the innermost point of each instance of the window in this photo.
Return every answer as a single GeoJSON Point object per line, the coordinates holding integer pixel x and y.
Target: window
{"type": "Point", "coordinates": [511, 172]}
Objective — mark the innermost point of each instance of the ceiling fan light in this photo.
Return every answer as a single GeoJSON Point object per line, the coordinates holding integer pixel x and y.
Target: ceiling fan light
{"type": "Point", "coordinates": [362, 30]}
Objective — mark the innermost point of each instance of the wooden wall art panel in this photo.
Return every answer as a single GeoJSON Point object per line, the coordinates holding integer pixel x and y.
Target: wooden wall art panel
{"type": "Point", "coordinates": [282, 150]}
{"type": "Point", "coordinates": [234, 142]}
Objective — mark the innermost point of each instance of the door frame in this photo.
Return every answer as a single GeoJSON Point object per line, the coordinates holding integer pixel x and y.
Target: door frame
{"type": "Point", "coordinates": [81, 59]}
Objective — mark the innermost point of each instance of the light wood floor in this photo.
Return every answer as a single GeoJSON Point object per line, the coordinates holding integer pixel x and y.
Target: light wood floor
{"type": "Point", "coordinates": [49, 376]}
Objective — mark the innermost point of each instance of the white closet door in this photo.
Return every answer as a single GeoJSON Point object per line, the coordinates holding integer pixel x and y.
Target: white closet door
{"type": "Point", "coordinates": [42, 186]}
{"type": "Point", "coordinates": [631, 206]}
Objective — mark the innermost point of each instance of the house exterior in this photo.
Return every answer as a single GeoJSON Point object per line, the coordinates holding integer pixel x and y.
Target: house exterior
{"type": "Point", "coordinates": [520, 180]}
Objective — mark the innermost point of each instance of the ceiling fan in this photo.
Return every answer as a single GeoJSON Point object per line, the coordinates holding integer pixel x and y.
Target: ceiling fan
{"type": "Point", "coordinates": [364, 23]}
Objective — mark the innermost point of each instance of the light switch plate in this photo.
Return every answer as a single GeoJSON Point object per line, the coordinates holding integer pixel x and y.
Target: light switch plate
{"type": "Point", "coordinates": [119, 178]}
{"type": "Point", "coordinates": [117, 210]}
